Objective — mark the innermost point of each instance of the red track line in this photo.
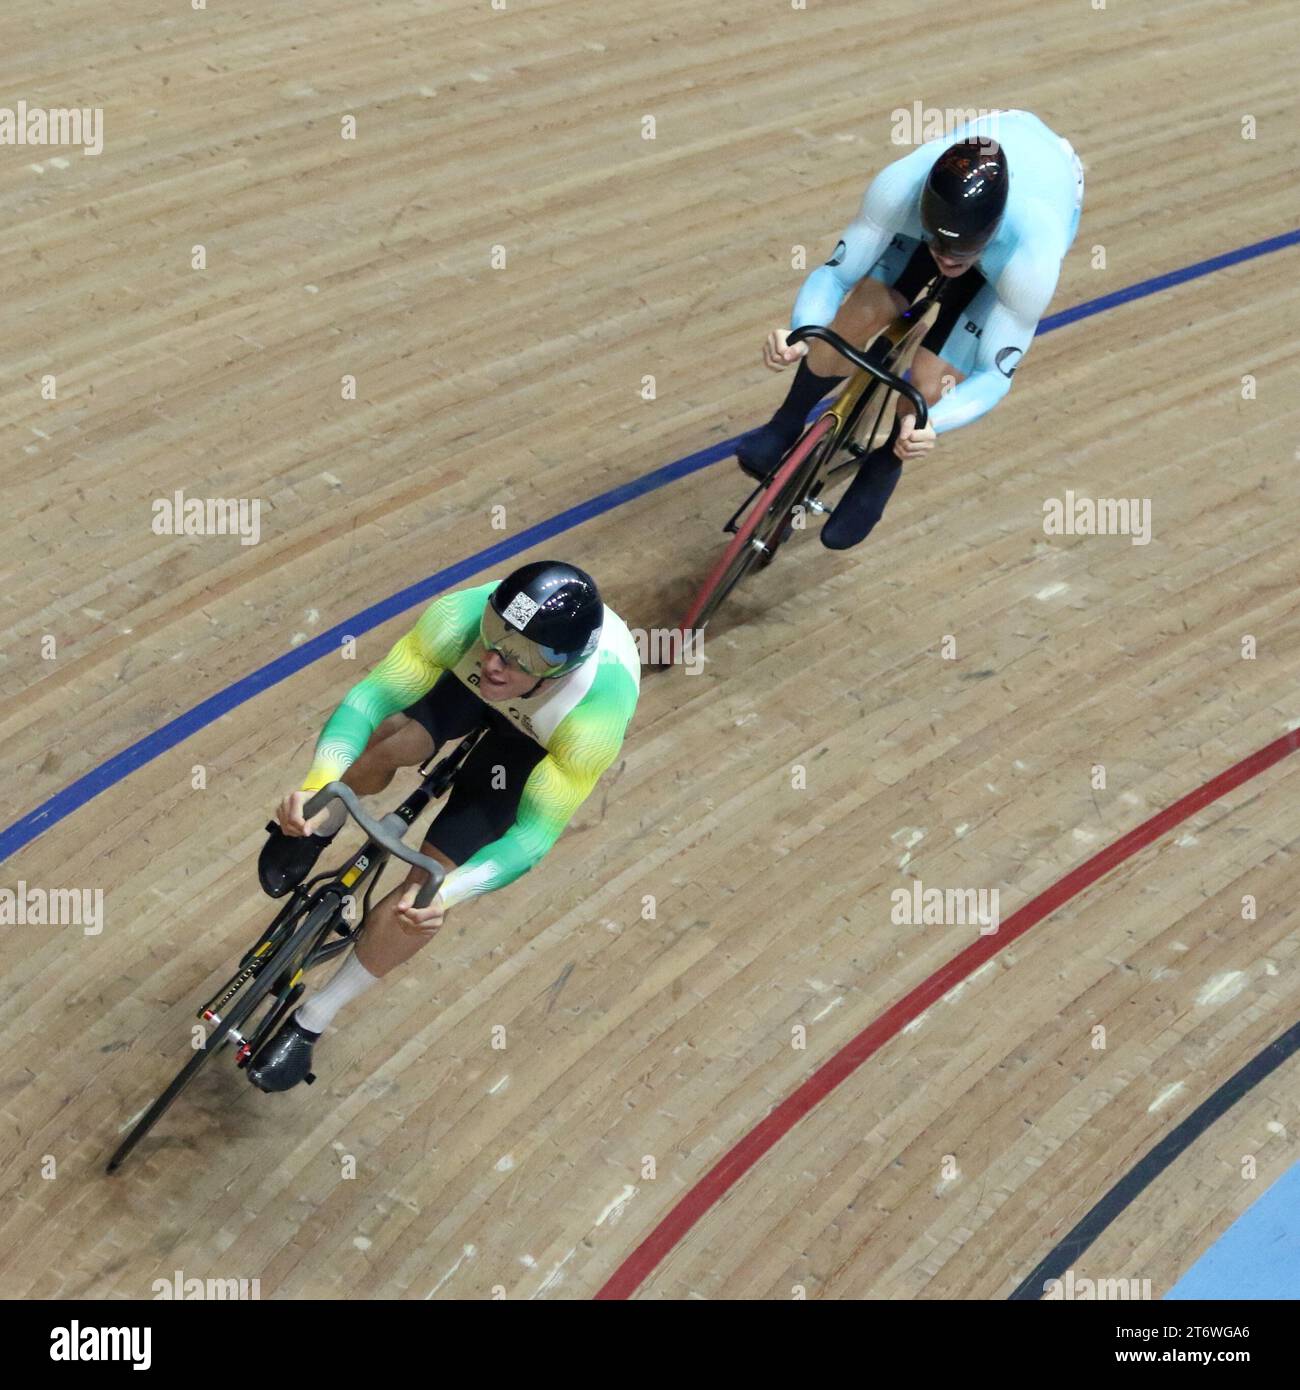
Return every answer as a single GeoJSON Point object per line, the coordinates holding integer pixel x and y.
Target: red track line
{"type": "Point", "coordinates": [742, 1156]}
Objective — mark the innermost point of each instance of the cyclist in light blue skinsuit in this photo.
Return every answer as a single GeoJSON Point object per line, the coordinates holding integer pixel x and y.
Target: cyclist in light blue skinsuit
{"type": "Point", "coordinates": [992, 208]}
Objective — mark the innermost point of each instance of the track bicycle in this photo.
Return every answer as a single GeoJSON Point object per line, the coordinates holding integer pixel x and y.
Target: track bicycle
{"type": "Point", "coordinates": [845, 432]}
{"type": "Point", "coordinates": [314, 926]}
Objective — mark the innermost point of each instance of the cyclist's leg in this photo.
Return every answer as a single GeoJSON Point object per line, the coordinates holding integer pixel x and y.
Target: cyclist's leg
{"type": "Point", "coordinates": [386, 942]}
{"type": "Point", "coordinates": [944, 354]}
{"type": "Point", "coordinates": [286, 1060]}
{"type": "Point", "coordinates": [402, 740]}
{"type": "Point", "coordinates": [286, 860]}
{"type": "Point", "coordinates": [481, 808]}
{"type": "Point", "coordinates": [399, 741]}
{"type": "Point", "coordinates": [932, 375]}
{"type": "Point", "coordinates": [881, 295]}
{"type": "Point", "coordinates": [448, 711]}
{"type": "Point", "coordinates": [868, 307]}
{"type": "Point", "coordinates": [863, 503]}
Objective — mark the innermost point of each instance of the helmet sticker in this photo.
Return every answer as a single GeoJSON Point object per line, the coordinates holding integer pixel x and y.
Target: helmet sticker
{"type": "Point", "coordinates": [519, 611]}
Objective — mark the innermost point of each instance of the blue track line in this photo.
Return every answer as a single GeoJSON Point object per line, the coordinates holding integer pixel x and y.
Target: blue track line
{"type": "Point", "coordinates": [153, 745]}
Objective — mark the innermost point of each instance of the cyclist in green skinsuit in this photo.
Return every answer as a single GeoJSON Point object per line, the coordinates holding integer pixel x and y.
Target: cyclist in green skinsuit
{"type": "Point", "coordinates": [555, 673]}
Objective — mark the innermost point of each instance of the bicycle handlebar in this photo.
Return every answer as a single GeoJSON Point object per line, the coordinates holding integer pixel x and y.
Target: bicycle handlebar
{"type": "Point", "coordinates": [860, 359]}
{"type": "Point", "coordinates": [386, 832]}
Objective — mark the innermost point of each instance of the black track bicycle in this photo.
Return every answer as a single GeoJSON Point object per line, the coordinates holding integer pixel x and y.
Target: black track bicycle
{"type": "Point", "coordinates": [315, 925]}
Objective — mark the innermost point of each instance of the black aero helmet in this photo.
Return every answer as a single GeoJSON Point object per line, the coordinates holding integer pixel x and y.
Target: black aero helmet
{"type": "Point", "coordinates": [965, 196]}
{"type": "Point", "coordinates": [544, 618]}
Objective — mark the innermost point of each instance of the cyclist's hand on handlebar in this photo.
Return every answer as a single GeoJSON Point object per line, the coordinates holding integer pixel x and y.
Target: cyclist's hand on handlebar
{"type": "Point", "coordinates": [289, 814]}
{"type": "Point", "coordinates": [778, 354]}
{"type": "Point", "coordinates": [912, 443]}
{"type": "Point", "coordinates": [418, 921]}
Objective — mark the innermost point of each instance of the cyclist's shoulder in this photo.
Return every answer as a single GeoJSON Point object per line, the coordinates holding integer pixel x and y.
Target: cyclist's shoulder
{"type": "Point", "coordinates": [449, 624]}
{"type": "Point", "coordinates": [893, 189]}
{"type": "Point", "coordinates": [617, 659]}
{"type": "Point", "coordinates": [1023, 272]}
{"type": "Point", "coordinates": [460, 609]}
{"type": "Point", "coordinates": [1016, 130]}
{"type": "Point", "coordinates": [602, 693]}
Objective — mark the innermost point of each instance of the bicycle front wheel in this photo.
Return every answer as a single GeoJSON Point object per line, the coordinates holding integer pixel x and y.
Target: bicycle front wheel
{"type": "Point", "coordinates": [316, 921]}
{"type": "Point", "coordinates": [765, 525]}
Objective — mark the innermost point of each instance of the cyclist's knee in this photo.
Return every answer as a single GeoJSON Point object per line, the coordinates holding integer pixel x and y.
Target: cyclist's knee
{"type": "Point", "coordinates": [932, 376]}
{"type": "Point", "coordinates": [418, 877]}
{"type": "Point", "coordinates": [376, 757]}
{"type": "Point", "coordinates": [386, 728]}
{"type": "Point", "coordinates": [396, 743]}
{"type": "Point", "coordinates": [867, 308]}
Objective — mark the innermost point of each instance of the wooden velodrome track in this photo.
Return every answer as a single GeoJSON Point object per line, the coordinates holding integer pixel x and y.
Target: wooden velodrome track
{"type": "Point", "coordinates": [521, 388]}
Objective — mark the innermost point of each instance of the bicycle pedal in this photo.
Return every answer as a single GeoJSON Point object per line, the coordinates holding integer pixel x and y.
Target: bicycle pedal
{"type": "Point", "coordinates": [310, 1077]}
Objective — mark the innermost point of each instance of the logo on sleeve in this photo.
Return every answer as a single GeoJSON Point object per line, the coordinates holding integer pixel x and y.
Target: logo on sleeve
{"type": "Point", "coordinates": [1008, 360]}
{"type": "Point", "coordinates": [841, 250]}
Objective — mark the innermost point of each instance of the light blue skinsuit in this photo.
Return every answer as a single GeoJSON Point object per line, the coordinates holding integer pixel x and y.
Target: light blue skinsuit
{"type": "Point", "coordinates": [1021, 264]}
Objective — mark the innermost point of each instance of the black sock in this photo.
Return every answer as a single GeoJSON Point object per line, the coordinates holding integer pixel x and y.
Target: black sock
{"type": "Point", "coordinates": [806, 390]}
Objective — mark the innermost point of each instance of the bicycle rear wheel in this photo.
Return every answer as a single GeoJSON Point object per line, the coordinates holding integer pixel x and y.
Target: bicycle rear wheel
{"type": "Point", "coordinates": [765, 526]}
{"type": "Point", "coordinates": [316, 921]}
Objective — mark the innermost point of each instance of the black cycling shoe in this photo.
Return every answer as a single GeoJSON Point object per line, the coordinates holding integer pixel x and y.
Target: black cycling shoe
{"type": "Point", "coordinates": [286, 860]}
{"type": "Point", "coordinates": [286, 1060]}
{"type": "Point", "coordinates": [863, 503]}
{"type": "Point", "coordinates": [759, 452]}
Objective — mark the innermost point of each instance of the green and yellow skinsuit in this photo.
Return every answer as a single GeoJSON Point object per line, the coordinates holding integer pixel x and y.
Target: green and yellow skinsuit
{"type": "Point", "coordinates": [579, 719]}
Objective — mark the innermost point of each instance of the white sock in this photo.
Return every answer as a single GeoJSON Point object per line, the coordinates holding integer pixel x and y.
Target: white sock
{"type": "Point", "coordinates": [350, 979]}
